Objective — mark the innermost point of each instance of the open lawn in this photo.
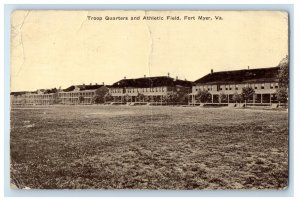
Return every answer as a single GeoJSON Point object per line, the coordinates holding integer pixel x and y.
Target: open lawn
{"type": "Point", "coordinates": [145, 147]}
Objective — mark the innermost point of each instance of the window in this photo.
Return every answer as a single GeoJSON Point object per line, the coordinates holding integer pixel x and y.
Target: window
{"type": "Point", "coordinates": [255, 86]}
{"type": "Point", "coordinates": [272, 85]}
{"type": "Point", "coordinates": [262, 86]}
{"type": "Point", "coordinates": [276, 85]}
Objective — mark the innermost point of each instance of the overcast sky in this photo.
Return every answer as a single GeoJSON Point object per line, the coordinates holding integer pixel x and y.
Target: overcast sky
{"type": "Point", "coordinates": [61, 48]}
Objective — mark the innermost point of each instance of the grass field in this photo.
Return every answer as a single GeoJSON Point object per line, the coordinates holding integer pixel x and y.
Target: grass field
{"type": "Point", "coordinates": [144, 147]}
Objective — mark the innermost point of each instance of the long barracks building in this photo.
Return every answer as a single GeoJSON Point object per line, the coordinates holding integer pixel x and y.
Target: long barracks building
{"type": "Point", "coordinates": [264, 81]}
{"type": "Point", "coordinates": [81, 94]}
{"type": "Point", "coordinates": [148, 89]}
{"type": "Point", "coordinates": [39, 97]}
{"type": "Point", "coordinates": [73, 95]}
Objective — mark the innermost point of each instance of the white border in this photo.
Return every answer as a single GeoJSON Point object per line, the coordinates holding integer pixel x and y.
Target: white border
{"type": "Point", "coordinates": [295, 92]}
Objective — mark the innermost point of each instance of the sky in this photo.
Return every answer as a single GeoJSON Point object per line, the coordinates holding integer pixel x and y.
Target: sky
{"type": "Point", "coordinates": [63, 48]}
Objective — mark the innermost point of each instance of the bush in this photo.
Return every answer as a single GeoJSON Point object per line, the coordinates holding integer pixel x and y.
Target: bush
{"type": "Point", "coordinates": [222, 98]}
{"type": "Point", "coordinates": [237, 97]}
{"type": "Point", "coordinates": [247, 93]}
{"type": "Point", "coordinates": [203, 96]}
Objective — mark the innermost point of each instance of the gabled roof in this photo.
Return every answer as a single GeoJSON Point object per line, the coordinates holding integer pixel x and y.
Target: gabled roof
{"type": "Point", "coordinates": [240, 76]}
{"type": "Point", "coordinates": [18, 93]}
{"type": "Point", "coordinates": [83, 87]}
{"type": "Point", "coordinates": [147, 82]}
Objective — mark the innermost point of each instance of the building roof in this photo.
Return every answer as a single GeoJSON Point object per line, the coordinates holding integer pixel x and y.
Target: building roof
{"type": "Point", "coordinates": [83, 87]}
{"type": "Point", "coordinates": [241, 76]}
{"type": "Point", "coordinates": [18, 93]}
{"type": "Point", "coordinates": [148, 82]}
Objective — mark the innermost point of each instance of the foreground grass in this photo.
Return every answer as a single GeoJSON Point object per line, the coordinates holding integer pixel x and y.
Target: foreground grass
{"type": "Point", "coordinates": [123, 147]}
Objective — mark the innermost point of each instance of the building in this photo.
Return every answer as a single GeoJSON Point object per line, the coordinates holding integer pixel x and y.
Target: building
{"type": "Point", "coordinates": [263, 80]}
{"type": "Point", "coordinates": [18, 98]}
{"type": "Point", "coordinates": [81, 94]}
{"type": "Point", "coordinates": [148, 89]}
{"type": "Point", "coordinates": [39, 97]}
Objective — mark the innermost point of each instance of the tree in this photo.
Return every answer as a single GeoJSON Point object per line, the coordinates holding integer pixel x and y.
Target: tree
{"type": "Point", "coordinates": [282, 95]}
{"type": "Point", "coordinates": [146, 98]}
{"type": "Point", "coordinates": [203, 96]}
{"type": "Point", "coordinates": [237, 97]}
{"type": "Point", "coordinates": [97, 99]}
{"type": "Point", "coordinates": [177, 97]}
{"type": "Point", "coordinates": [284, 73]}
{"type": "Point", "coordinates": [222, 97]}
{"type": "Point", "coordinates": [247, 93]}
{"type": "Point", "coordinates": [57, 99]}
{"type": "Point", "coordinates": [283, 76]}
{"type": "Point", "coordinates": [140, 97]}
{"type": "Point", "coordinates": [108, 97]}
{"type": "Point", "coordinates": [183, 98]}
{"type": "Point", "coordinates": [170, 98]}
{"type": "Point", "coordinates": [165, 98]}
{"type": "Point", "coordinates": [100, 95]}
{"type": "Point", "coordinates": [80, 99]}
{"type": "Point", "coordinates": [127, 98]}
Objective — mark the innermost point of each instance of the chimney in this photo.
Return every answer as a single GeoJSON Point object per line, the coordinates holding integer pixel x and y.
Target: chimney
{"type": "Point", "coordinates": [83, 84]}
{"type": "Point", "coordinates": [212, 71]}
{"type": "Point", "coordinates": [176, 77]}
{"type": "Point", "coordinates": [90, 83]}
{"type": "Point", "coordinates": [144, 75]}
{"type": "Point", "coordinates": [168, 74]}
{"type": "Point", "coordinates": [103, 84]}
{"type": "Point", "coordinates": [248, 67]}
{"type": "Point", "coordinates": [96, 83]}
{"type": "Point", "coordinates": [124, 77]}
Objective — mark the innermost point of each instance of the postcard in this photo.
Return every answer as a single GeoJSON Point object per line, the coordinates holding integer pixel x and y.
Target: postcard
{"type": "Point", "coordinates": [137, 99]}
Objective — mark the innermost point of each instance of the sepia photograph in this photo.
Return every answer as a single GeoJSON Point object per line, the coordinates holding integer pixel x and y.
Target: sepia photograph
{"type": "Point", "coordinates": [156, 100]}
